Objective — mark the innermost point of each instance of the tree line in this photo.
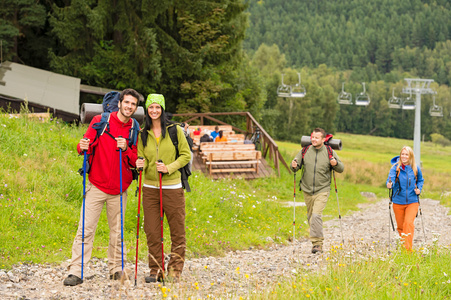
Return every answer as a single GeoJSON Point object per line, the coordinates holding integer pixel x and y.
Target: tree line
{"type": "Point", "coordinates": [228, 55]}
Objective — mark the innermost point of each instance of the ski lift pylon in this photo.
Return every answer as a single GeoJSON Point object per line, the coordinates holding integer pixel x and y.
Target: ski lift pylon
{"type": "Point", "coordinates": [363, 98]}
{"type": "Point", "coordinates": [435, 110]}
{"type": "Point", "coordinates": [394, 102]}
{"type": "Point", "coordinates": [344, 97]}
{"type": "Point", "coordinates": [298, 91]}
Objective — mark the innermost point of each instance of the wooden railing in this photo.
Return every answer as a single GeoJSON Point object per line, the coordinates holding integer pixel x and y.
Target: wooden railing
{"type": "Point", "coordinates": [269, 146]}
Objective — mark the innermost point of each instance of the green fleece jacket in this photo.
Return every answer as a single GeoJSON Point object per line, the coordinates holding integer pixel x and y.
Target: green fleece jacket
{"type": "Point", "coordinates": [316, 178]}
{"type": "Point", "coordinates": [165, 151]}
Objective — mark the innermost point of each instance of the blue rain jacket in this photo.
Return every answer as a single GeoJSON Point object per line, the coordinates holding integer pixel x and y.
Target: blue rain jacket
{"type": "Point", "coordinates": [404, 187]}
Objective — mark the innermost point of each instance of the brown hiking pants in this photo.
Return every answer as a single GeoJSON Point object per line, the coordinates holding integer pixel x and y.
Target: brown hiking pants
{"type": "Point", "coordinates": [174, 209]}
{"type": "Point", "coordinates": [315, 206]}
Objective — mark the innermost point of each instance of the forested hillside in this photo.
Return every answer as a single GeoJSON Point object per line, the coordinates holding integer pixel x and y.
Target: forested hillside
{"type": "Point", "coordinates": [352, 41]}
{"type": "Point", "coordinates": [351, 34]}
{"type": "Point", "coordinates": [229, 55]}
{"type": "Point", "coordinates": [187, 50]}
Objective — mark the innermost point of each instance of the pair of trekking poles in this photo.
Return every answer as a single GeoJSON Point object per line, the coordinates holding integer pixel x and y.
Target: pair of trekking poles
{"type": "Point", "coordinates": [161, 220]}
{"type": "Point", "coordinates": [390, 196]}
{"type": "Point", "coordinates": [122, 221]}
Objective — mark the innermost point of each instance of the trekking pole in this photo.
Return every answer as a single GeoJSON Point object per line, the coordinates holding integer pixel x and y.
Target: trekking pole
{"type": "Point", "coordinates": [294, 210]}
{"type": "Point", "coordinates": [390, 195]}
{"type": "Point", "coordinates": [161, 223]}
{"type": "Point", "coordinates": [338, 204]}
{"type": "Point", "coordinates": [122, 221]}
{"type": "Point", "coordinates": [137, 226]}
{"type": "Point", "coordinates": [83, 222]}
{"type": "Point", "coordinates": [421, 215]}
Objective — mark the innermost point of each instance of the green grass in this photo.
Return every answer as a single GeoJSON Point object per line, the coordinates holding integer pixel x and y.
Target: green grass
{"type": "Point", "coordinates": [41, 195]}
{"type": "Point", "coordinates": [401, 275]}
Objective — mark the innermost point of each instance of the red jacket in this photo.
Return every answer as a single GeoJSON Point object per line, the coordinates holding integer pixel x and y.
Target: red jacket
{"type": "Point", "coordinates": [104, 172]}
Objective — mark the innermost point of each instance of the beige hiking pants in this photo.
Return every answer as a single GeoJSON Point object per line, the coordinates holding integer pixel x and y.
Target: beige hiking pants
{"type": "Point", "coordinates": [95, 199]}
{"type": "Point", "coordinates": [315, 206]}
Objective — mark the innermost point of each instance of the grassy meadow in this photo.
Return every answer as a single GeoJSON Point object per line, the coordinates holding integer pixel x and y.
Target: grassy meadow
{"type": "Point", "coordinates": [41, 197]}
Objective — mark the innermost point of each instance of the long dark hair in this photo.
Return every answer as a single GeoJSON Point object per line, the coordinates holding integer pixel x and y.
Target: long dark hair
{"type": "Point", "coordinates": [148, 126]}
{"type": "Point", "coordinates": [221, 133]}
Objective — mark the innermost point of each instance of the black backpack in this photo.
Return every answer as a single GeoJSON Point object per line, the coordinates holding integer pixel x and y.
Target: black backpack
{"type": "Point", "coordinates": [206, 139]}
{"type": "Point", "coordinates": [184, 171]}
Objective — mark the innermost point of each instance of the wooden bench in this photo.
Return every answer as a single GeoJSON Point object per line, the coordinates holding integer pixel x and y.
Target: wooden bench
{"type": "Point", "coordinates": [235, 138]}
{"type": "Point", "coordinates": [206, 148]}
{"type": "Point", "coordinates": [224, 159]}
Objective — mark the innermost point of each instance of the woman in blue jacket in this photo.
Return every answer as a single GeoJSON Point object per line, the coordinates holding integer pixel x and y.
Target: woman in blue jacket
{"type": "Point", "coordinates": [406, 179]}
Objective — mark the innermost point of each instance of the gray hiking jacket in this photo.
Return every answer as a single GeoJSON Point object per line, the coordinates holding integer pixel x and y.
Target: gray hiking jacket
{"type": "Point", "coordinates": [317, 169]}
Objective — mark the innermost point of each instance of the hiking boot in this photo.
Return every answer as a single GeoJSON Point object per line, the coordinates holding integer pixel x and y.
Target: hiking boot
{"type": "Point", "coordinates": [153, 278]}
{"type": "Point", "coordinates": [72, 280]}
{"type": "Point", "coordinates": [317, 249]}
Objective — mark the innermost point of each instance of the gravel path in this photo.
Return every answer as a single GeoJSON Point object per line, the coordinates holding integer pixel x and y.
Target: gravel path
{"type": "Point", "coordinates": [236, 274]}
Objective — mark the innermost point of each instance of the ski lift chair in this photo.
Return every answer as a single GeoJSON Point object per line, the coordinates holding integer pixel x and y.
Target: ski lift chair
{"type": "Point", "coordinates": [298, 91]}
{"type": "Point", "coordinates": [408, 103]}
{"type": "Point", "coordinates": [284, 90]}
{"type": "Point", "coordinates": [363, 99]}
{"type": "Point", "coordinates": [344, 97]}
{"type": "Point", "coordinates": [435, 110]}
{"type": "Point", "coordinates": [394, 102]}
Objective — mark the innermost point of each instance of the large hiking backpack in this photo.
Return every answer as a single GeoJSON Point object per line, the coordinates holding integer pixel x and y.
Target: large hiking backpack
{"type": "Point", "coordinates": [326, 143]}
{"type": "Point", "coordinates": [329, 151]}
{"type": "Point", "coordinates": [186, 170]}
{"type": "Point", "coordinates": [110, 104]}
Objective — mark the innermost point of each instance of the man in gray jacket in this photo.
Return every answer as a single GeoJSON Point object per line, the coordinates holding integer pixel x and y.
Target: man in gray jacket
{"type": "Point", "coordinates": [318, 162]}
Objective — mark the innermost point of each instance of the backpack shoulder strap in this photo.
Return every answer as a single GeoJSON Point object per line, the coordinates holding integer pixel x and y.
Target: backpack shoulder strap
{"type": "Point", "coordinates": [397, 173]}
{"type": "Point", "coordinates": [304, 150]}
{"type": "Point", "coordinates": [330, 151]}
{"type": "Point", "coordinates": [134, 131]}
{"type": "Point", "coordinates": [102, 125]}
{"type": "Point", "coordinates": [172, 130]}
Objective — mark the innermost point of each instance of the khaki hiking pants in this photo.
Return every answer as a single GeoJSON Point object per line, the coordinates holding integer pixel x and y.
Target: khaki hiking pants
{"type": "Point", "coordinates": [174, 209]}
{"type": "Point", "coordinates": [95, 199]}
{"type": "Point", "coordinates": [405, 215]}
{"type": "Point", "coordinates": [315, 206]}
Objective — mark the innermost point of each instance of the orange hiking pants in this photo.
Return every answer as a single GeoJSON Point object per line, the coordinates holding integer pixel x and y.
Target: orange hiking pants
{"type": "Point", "coordinates": [405, 217]}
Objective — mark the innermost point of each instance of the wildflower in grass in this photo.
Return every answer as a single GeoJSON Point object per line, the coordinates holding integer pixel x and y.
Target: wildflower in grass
{"type": "Point", "coordinates": [246, 275]}
{"type": "Point", "coordinates": [237, 270]}
{"type": "Point", "coordinates": [206, 267]}
{"type": "Point", "coordinates": [406, 284]}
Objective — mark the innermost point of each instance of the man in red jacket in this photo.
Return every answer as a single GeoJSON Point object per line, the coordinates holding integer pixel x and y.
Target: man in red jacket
{"type": "Point", "coordinates": [104, 184]}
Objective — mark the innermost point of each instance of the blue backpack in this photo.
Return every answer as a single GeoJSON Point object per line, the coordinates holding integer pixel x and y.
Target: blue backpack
{"type": "Point", "coordinates": [111, 101]}
{"type": "Point", "coordinates": [110, 104]}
